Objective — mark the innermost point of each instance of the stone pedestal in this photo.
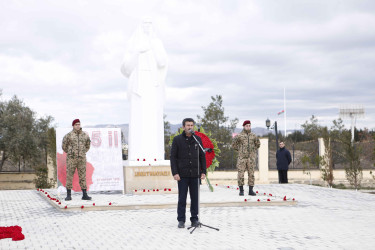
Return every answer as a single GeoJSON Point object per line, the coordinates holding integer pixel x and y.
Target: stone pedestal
{"type": "Point", "coordinates": [147, 175]}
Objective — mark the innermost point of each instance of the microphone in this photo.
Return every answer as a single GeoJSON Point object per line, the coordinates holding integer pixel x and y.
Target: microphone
{"type": "Point", "coordinates": [191, 132]}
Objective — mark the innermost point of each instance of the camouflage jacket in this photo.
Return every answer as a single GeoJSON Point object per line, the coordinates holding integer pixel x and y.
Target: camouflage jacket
{"type": "Point", "coordinates": [76, 144]}
{"type": "Point", "coordinates": [246, 143]}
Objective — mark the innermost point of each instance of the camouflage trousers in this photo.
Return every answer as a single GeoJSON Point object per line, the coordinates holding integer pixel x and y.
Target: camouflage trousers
{"type": "Point", "coordinates": [245, 164]}
{"type": "Point", "coordinates": [72, 165]}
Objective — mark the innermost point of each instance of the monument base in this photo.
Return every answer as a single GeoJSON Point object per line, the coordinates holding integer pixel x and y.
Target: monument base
{"type": "Point", "coordinates": [147, 175]}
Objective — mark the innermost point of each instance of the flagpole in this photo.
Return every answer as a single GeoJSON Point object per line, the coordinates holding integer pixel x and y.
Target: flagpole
{"type": "Point", "coordinates": [284, 115]}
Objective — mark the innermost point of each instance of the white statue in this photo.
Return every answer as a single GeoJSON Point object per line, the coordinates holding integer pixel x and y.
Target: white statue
{"type": "Point", "coordinates": [146, 64]}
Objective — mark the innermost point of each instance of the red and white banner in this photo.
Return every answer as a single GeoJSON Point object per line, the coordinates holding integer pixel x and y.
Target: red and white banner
{"type": "Point", "coordinates": [104, 167]}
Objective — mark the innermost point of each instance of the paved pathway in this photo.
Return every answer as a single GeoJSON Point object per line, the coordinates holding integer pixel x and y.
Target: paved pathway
{"type": "Point", "coordinates": [323, 218]}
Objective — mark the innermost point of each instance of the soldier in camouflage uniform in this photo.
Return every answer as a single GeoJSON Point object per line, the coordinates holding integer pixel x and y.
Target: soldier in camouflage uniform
{"type": "Point", "coordinates": [75, 144]}
{"type": "Point", "coordinates": [246, 143]}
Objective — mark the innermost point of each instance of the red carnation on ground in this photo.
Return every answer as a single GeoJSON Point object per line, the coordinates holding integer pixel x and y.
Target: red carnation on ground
{"type": "Point", "coordinates": [82, 206]}
{"type": "Point", "coordinates": [207, 143]}
{"type": "Point", "coordinates": [268, 200]}
{"type": "Point", "coordinates": [258, 200]}
{"type": "Point", "coordinates": [93, 204]}
{"type": "Point", "coordinates": [284, 198]}
{"type": "Point", "coordinates": [110, 203]}
{"type": "Point", "coordinates": [245, 199]}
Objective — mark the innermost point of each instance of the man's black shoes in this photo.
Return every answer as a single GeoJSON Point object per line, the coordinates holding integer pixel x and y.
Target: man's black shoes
{"type": "Point", "coordinates": [181, 224]}
{"type": "Point", "coordinates": [251, 192]}
{"type": "Point", "coordinates": [195, 223]}
{"type": "Point", "coordinates": [68, 195]}
{"type": "Point", "coordinates": [241, 191]}
{"type": "Point", "coordinates": [85, 196]}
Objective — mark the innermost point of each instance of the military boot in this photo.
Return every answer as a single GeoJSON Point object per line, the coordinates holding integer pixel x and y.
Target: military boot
{"type": "Point", "coordinates": [251, 192]}
{"type": "Point", "coordinates": [241, 191]}
{"type": "Point", "coordinates": [85, 196]}
{"type": "Point", "coordinates": [68, 195]}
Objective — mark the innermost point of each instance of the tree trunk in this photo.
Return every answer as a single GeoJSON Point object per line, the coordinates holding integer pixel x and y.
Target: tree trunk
{"type": "Point", "coordinates": [3, 159]}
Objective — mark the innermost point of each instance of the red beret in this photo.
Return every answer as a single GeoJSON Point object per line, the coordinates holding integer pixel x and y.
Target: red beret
{"type": "Point", "coordinates": [246, 122]}
{"type": "Point", "coordinates": [75, 121]}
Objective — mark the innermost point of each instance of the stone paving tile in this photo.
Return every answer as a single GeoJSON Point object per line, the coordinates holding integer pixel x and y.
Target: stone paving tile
{"type": "Point", "coordinates": [323, 218]}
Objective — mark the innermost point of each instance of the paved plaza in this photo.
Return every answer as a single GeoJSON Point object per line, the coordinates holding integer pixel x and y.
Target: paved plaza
{"type": "Point", "coordinates": [321, 218]}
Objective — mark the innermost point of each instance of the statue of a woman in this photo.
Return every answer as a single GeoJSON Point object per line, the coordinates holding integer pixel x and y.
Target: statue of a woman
{"type": "Point", "coordinates": [146, 64]}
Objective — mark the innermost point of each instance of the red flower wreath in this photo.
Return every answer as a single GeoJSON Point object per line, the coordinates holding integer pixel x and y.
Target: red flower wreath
{"type": "Point", "coordinates": [207, 143]}
{"type": "Point", "coordinates": [14, 232]}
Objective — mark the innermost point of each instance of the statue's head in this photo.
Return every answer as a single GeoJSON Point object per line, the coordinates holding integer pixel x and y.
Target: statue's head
{"type": "Point", "coordinates": [147, 25]}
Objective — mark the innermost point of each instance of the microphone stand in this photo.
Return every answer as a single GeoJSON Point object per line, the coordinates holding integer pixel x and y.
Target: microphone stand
{"type": "Point", "coordinates": [199, 190]}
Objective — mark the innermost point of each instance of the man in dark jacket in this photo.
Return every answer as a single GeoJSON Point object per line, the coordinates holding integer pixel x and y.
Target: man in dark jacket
{"type": "Point", "coordinates": [283, 160]}
{"type": "Point", "coordinates": [188, 163]}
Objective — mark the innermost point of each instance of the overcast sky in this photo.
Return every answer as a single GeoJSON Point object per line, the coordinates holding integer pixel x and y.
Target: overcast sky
{"type": "Point", "coordinates": [63, 58]}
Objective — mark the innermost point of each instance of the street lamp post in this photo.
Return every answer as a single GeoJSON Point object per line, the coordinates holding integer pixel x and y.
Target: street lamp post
{"type": "Point", "coordinates": [268, 124]}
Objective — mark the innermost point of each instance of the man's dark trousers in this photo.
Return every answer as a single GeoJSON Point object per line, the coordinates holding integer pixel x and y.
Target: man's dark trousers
{"type": "Point", "coordinates": [185, 184]}
{"type": "Point", "coordinates": [283, 176]}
